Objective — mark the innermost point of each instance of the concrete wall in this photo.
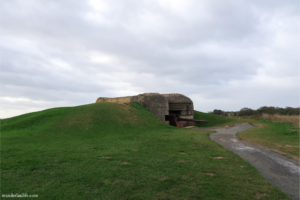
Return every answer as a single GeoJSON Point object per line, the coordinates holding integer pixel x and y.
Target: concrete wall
{"type": "Point", "coordinates": [159, 104]}
{"type": "Point", "coordinates": [119, 100]}
{"type": "Point", "coordinates": [155, 103]}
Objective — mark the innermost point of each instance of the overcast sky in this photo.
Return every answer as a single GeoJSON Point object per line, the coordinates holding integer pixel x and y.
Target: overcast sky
{"type": "Point", "coordinates": [222, 54]}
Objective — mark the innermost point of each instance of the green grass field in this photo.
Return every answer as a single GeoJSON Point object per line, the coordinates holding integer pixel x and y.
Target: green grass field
{"type": "Point", "coordinates": [111, 151]}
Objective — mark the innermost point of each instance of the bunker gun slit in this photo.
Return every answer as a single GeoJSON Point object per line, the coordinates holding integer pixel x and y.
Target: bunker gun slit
{"type": "Point", "coordinates": [175, 120]}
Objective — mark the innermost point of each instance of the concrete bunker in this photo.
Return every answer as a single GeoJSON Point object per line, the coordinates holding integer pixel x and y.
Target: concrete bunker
{"type": "Point", "coordinates": [161, 105]}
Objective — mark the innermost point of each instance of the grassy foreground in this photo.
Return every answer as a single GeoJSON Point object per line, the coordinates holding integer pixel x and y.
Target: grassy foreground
{"type": "Point", "coordinates": [111, 151]}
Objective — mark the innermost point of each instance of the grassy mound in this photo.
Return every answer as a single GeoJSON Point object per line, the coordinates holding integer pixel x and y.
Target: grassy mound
{"type": "Point", "coordinates": [111, 151]}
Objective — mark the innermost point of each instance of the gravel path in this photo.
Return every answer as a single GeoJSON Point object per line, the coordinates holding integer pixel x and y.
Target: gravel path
{"type": "Point", "coordinates": [278, 170]}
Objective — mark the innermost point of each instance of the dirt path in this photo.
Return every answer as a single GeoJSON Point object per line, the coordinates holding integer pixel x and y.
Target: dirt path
{"type": "Point", "coordinates": [278, 170]}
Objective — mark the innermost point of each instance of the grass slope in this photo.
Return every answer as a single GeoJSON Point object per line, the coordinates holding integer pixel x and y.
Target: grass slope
{"type": "Point", "coordinates": [111, 151]}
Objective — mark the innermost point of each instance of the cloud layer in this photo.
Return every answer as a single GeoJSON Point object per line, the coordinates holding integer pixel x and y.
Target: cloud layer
{"type": "Point", "coordinates": [224, 55]}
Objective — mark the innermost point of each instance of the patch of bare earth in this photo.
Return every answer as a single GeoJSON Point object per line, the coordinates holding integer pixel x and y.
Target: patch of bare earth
{"type": "Point", "coordinates": [162, 195]}
{"type": "Point", "coordinates": [181, 161]}
{"type": "Point", "coordinates": [287, 146]}
{"type": "Point", "coordinates": [163, 178]}
{"type": "Point", "coordinates": [126, 106]}
{"type": "Point", "coordinates": [258, 195]}
{"type": "Point", "coordinates": [189, 127]}
{"type": "Point", "coordinates": [107, 181]}
{"type": "Point", "coordinates": [104, 157]}
{"type": "Point", "coordinates": [182, 152]}
{"type": "Point", "coordinates": [61, 163]}
{"type": "Point", "coordinates": [125, 163]}
{"type": "Point", "coordinates": [209, 173]}
{"type": "Point", "coordinates": [217, 157]}
{"type": "Point", "coordinates": [259, 125]}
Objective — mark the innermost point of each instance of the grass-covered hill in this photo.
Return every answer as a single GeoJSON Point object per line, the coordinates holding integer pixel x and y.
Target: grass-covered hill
{"type": "Point", "coordinates": [112, 151]}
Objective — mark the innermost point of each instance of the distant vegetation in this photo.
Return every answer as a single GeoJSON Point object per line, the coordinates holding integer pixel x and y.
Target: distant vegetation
{"type": "Point", "coordinates": [262, 110]}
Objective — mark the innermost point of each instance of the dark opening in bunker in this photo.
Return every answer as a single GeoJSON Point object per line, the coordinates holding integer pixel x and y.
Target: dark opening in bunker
{"type": "Point", "coordinates": [177, 112]}
{"type": "Point", "coordinates": [171, 119]}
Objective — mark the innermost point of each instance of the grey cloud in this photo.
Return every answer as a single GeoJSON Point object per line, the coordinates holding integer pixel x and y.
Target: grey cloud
{"type": "Point", "coordinates": [46, 50]}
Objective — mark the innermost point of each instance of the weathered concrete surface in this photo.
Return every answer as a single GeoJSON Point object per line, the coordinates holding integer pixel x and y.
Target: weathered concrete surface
{"type": "Point", "coordinates": [278, 170]}
{"type": "Point", "coordinates": [155, 103]}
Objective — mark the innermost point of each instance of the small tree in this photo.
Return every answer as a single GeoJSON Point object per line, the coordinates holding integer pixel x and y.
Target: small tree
{"type": "Point", "coordinates": [246, 112]}
{"type": "Point", "coordinates": [218, 112]}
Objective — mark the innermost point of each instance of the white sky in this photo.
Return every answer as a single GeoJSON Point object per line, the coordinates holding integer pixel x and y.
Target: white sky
{"type": "Point", "coordinates": [222, 54]}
